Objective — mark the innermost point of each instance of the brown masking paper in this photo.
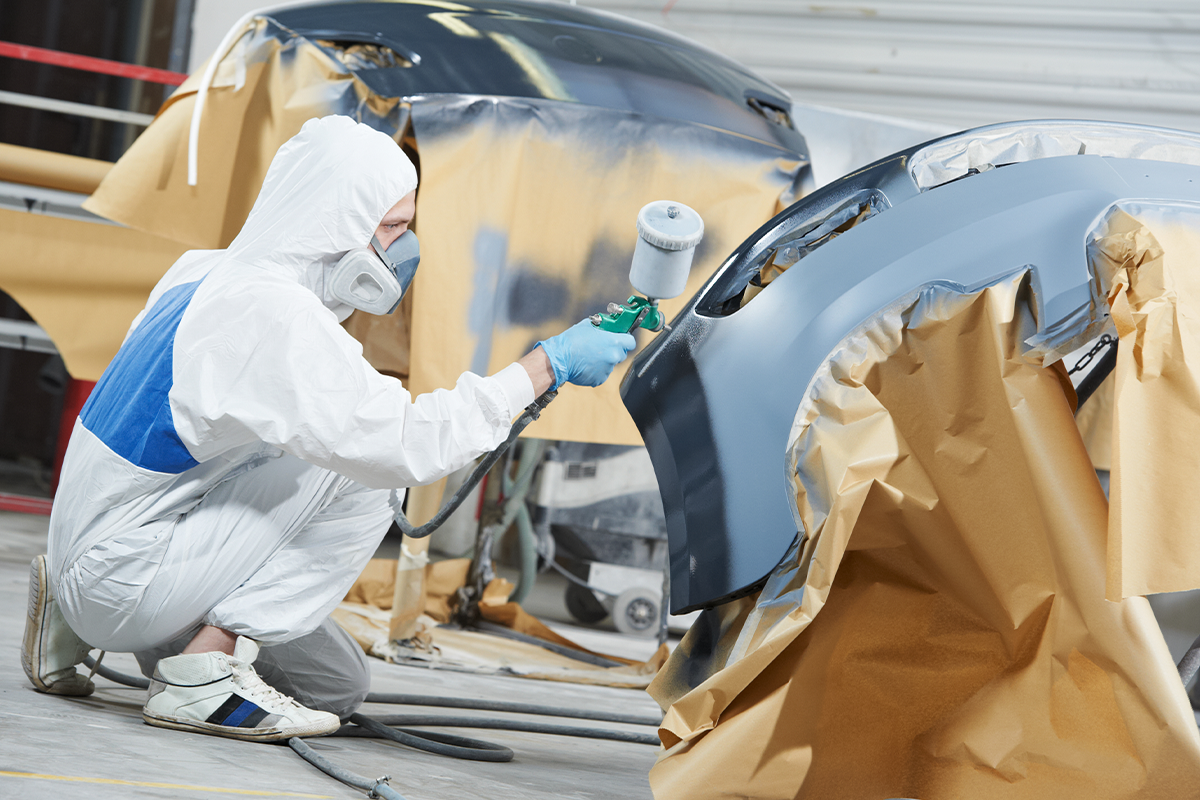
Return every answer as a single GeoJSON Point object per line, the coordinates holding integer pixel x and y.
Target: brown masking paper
{"type": "Point", "coordinates": [376, 585]}
{"type": "Point", "coordinates": [1148, 258]}
{"type": "Point", "coordinates": [83, 282]}
{"type": "Point", "coordinates": [1095, 423]}
{"type": "Point", "coordinates": [942, 631]}
{"type": "Point", "coordinates": [363, 613]}
{"type": "Point", "coordinates": [527, 216]}
{"type": "Point", "coordinates": [264, 90]}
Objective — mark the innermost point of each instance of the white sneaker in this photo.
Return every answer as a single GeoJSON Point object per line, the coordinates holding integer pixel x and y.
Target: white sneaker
{"type": "Point", "coordinates": [50, 649]}
{"type": "Point", "coordinates": [223, 695]}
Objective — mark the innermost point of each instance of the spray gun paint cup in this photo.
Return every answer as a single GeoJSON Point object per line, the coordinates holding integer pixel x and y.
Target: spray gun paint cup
{"type": "Point", "coordinates": [668, 233]}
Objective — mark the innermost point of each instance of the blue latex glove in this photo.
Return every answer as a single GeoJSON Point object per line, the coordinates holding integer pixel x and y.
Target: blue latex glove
{"type": "Point", "coordinates": [585, 355]}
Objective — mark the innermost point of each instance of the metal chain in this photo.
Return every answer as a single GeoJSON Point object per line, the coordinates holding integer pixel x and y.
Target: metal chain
{"type": "Point", "coordinates": [1105, 341]}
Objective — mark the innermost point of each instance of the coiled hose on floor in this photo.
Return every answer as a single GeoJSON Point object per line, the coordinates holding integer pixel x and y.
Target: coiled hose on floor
{"type": "Point", "coordinates": [384, 727]}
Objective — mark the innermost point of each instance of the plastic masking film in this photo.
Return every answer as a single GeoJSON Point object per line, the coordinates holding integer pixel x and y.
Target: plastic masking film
{"type": "Point", "coordinates": [942, 630]}
{"type": "Point", "coordinates": [1148, 259]}
{"type": "Point", "coordinates": [527, 217]}
{"type": "Point", "coordinates": [954, 156]}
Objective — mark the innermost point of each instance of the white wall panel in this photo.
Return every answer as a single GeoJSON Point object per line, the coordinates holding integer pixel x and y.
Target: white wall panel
{"type": "Point", "coordinates": [959, 63]}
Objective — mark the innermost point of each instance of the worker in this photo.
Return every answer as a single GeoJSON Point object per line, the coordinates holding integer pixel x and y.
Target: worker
{"type": "Point", "coordinates": [239, 461]}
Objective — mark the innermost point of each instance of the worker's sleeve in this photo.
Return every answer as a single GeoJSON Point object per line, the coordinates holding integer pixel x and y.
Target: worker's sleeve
{"type": "Point", "coordinates": [299, 381]}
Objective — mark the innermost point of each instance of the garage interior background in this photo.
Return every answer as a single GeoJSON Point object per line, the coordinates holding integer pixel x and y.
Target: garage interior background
{"type": "Point", "coordinates": [867, 79]}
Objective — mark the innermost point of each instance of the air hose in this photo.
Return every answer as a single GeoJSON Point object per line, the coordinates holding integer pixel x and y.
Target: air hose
{"type": "Point", "coordinates": [382, 727]}
{"type": "Point", "coordinates": [531, 413]}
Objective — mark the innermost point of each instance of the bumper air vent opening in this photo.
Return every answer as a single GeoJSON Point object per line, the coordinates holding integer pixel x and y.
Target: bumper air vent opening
{"type": "Point", "coordinates": [765, 261]}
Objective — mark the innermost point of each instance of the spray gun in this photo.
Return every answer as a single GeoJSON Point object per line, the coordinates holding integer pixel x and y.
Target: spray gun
{"type": "Point", "coordinates": [667, 237]}
{"type": "Point", "coordinates": [668, 233]}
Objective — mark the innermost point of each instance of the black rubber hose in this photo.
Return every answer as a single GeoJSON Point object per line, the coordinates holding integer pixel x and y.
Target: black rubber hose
{"type": "Point", "coordinates": [531, 413]}
{"type": "Point", "coordinates": [553, 647]}
{"type": "Point", "coordinates": [135, 681]}
{"type": "Point", "coordinates": [443, 744]}
{"type": "Point", "coordinates": [1189, 665]}
{"type": "Point", "coordinates": [376, 788]}
{"type": "Point", "coordinates": [392, 698]}
{"type": "Point", "coordinates": [512, 708]}
{"type": "Point", "coordinates": [503, 725]}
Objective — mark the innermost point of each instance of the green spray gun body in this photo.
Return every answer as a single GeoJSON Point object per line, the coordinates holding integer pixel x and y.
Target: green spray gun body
{"type": "Point", "coordinates": [668, 233]}
{"type": "Point", "coordinates": [636, 312]}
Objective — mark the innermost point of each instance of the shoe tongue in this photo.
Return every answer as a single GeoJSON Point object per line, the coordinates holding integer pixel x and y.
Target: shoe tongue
{"type": "Point", "coordinates": [245, 650]}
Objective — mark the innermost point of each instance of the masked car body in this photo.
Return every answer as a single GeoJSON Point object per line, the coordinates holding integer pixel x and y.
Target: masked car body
{"type": "Point", "coordinates": [716, 397]}
{"type": "Point", "coordinates": [539, 130]}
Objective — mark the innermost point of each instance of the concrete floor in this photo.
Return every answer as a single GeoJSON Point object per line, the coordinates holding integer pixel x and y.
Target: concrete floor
{"type": "Point", "coordinates": [98, 747]}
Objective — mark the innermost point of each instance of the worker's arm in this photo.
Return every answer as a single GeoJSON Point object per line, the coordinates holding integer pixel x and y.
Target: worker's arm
{"type": "Point", "coordinates": [299, 381]}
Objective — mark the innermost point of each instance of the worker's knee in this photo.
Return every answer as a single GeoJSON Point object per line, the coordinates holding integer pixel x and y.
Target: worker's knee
{"type": "Point", "coordinates": [325, 670]}
{"type": "Point", "coordinates": [347, 691]}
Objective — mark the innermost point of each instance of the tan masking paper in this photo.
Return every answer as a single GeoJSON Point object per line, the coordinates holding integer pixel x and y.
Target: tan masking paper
{"type": "Point", "coordinates": [1095, 423]}
{"type": "Point", "coordinates": [943, 632]}
{"type": "Point", "coordinates": [363, 614]}
{"type": "Point", "coordinates": [528, 217]}
{"type": "Point", "coordinates": [263, 92]}
{"type": "Point", "coordinates": [375, 586]}
{"type": "Point", "coordinates": [1148, 258]}
{"type": "Point", "coordinates": [81, 281]}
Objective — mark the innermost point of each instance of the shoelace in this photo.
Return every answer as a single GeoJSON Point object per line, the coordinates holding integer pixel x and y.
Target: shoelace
{"type": "Point", "coordinates": [246, 679]}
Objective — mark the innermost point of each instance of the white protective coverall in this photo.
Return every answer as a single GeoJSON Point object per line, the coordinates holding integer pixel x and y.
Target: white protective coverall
{"type": "Point", "coordinates": [237, 463]}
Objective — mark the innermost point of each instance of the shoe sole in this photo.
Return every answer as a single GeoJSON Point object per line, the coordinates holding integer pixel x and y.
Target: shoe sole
{"type": "Point", "coordinates": [35, 610]}
{"type": "Point", "coordinates": [229, 732]}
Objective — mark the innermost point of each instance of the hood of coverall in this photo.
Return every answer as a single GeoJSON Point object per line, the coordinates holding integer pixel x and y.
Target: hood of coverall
{"type": "Point", "coordinates": [325, 192]}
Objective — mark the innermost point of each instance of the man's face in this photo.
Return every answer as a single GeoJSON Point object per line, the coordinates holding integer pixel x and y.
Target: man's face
{"type": "Point", "coordinates": [396, 220]}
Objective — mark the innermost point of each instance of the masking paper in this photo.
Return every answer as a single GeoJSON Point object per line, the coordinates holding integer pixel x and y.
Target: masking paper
{"type": "Point", "coordinates": [941, 629]}
{"type": "Point", "coordinates": [364, 614]}
{"type": "Point", "coordinates": [526, 211]}
{"type": "Point", "coordinates": [83, 282]}
{"type": "Point", "coordinates": [268, 85]}
{"type": "Point", "coordinates": [1147, 257]}
{"type": "Point", "coordinates": [1095, 423]}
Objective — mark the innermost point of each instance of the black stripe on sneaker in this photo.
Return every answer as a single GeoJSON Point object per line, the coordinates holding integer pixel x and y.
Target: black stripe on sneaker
{"type": "Point", "coordinates": [218, 717]}
{"type": "Point", "coordinates": [254, 718]}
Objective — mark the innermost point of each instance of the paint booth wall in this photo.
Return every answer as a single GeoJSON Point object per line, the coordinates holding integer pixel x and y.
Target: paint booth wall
{"type": "Point", "coordinates": [959, 63]}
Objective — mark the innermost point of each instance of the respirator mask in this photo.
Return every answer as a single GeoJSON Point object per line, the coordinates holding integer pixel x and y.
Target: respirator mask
{"type": "Point", "coordinates": [375, 282]}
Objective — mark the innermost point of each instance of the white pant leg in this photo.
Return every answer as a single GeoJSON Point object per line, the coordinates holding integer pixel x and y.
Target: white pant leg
{"type": "Point", "coordinates": [266, 554]}
{"type": "Point", "coordinates": [294, 590]}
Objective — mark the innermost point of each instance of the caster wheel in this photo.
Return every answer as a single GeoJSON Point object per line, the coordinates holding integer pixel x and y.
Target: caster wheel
{"type": "Point", "coordinates": [636, 612]}
{"type": "Point", "coordinates": [583, 605]}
